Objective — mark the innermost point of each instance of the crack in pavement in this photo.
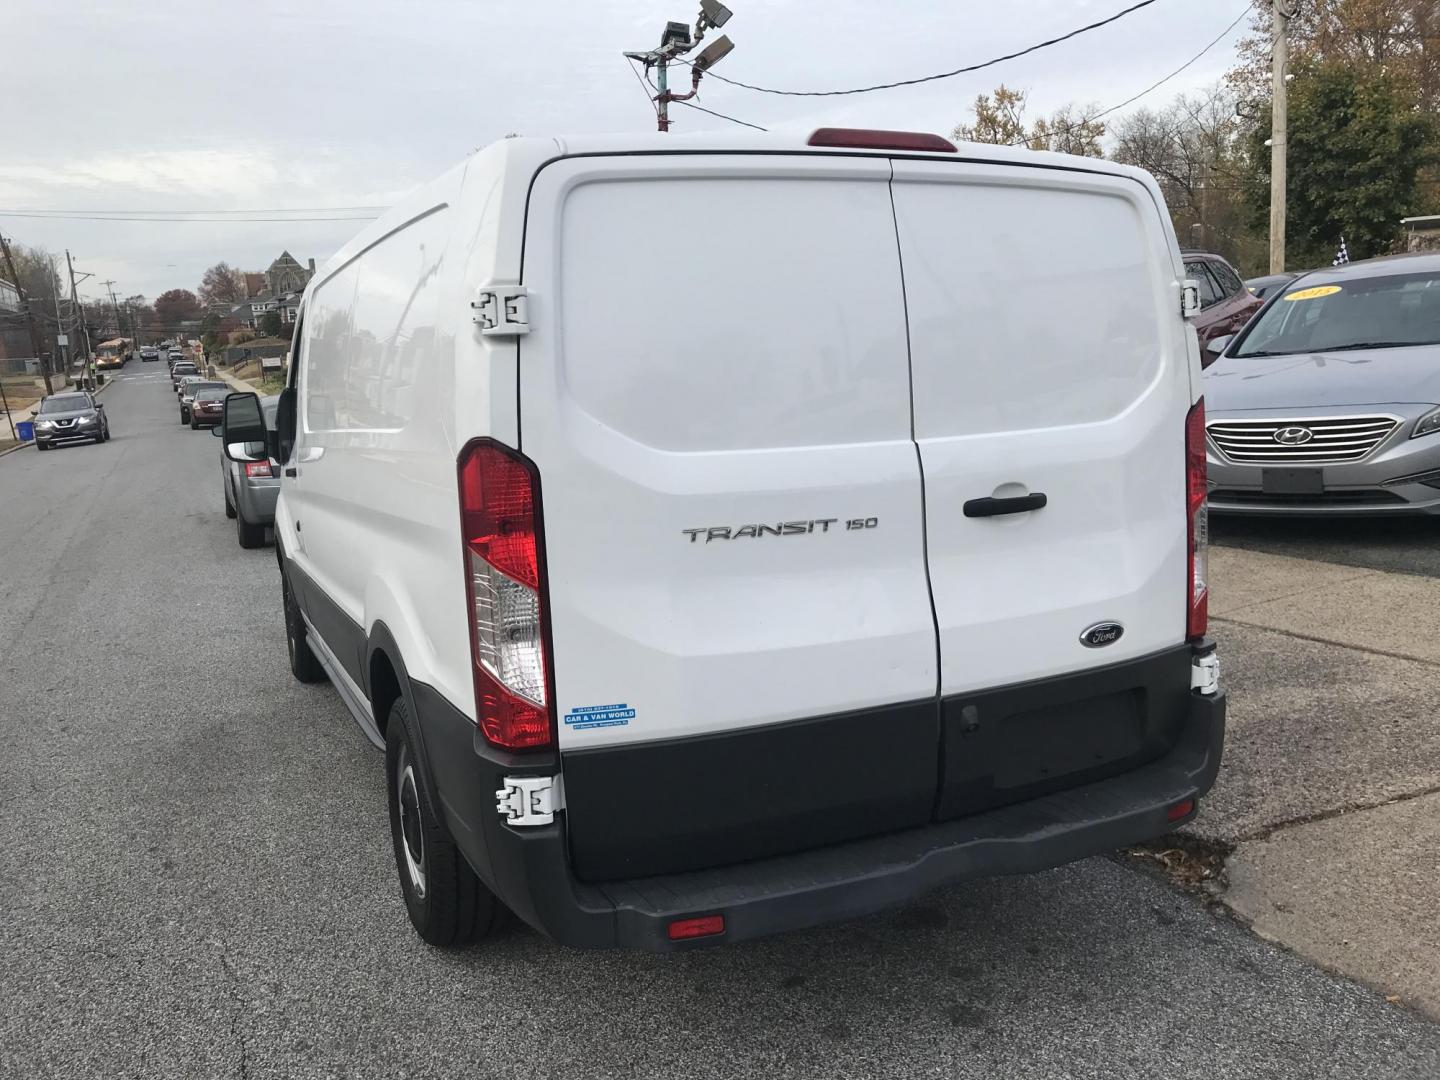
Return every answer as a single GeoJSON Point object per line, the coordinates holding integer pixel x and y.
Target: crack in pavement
{"type": "Point", "coordinates": [237, 1021]}
{"type": "Point", "coordinates": [1369, 650]}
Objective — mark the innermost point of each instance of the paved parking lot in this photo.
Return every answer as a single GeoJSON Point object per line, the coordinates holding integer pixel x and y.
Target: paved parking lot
{"type": "Point", "coordinates": [199, 881]}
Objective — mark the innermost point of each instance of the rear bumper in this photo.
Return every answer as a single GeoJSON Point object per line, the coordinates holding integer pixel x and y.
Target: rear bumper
{"type": "Point", "coordinates": [530, 868]}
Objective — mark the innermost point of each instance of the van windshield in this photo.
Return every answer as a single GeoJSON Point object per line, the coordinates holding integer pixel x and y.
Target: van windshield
{"type": "Point", "coordinates": [1381, 312]}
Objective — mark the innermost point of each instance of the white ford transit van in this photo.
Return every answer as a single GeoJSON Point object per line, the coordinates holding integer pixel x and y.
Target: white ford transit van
{"type": "Point", "coordinates": [727, 535]}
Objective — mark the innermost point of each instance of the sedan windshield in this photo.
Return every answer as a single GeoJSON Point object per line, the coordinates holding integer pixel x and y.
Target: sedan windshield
{"type": "Point", "coordinates": [1384, 312]}
{"type": "Point", "coordinates": [64, 403]}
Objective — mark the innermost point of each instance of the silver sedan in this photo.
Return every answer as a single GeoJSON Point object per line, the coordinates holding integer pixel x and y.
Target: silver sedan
{"type": "Point", "coordinates": [1328, 402]}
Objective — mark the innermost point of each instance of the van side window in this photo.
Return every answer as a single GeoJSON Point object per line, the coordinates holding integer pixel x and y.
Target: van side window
{"type": "Point", "coordinates": [372, 329]}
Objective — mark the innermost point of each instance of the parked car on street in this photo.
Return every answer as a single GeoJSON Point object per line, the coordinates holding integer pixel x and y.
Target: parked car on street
{"type": "Point", "coordinates": [67, 418]}
{"type": "Point", "coordinates": [1329, 401]}
{"type": "Point", "coordinates": [180, 370]}
{"type": "Point", "coordinates": [205, 402]}
{"type": "Point", "coordinates": [1225, 303]}
{"type": "Point", "coordinates": [777, 671]}
{"type": "Point", "coordinates": [148, 353]}
{"type": "Point", "coordinates": [190, 385]}
{"type": "Point", "coordinates": [250, 486]}
{"type": "Point", "coordinates": [1263, 287]}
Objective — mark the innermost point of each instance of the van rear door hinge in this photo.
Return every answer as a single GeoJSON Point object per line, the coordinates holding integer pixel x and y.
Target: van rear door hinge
{"type": "Point", "coordinates": [529, 800]}
{"type": "Point", "coordinates": [1189, 298]}
{"type": "Point", "coordinates": [501, 309]}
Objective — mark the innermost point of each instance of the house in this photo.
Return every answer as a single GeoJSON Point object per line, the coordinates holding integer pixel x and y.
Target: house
{"type": "Point", "coordinates": [278, 289]}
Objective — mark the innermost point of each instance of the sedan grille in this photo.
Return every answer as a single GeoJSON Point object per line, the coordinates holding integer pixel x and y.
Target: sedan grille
{"type": "Point", "coordinates": [1300, 442]}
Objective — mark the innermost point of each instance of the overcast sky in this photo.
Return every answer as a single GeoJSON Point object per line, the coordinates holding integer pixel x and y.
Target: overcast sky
{"type": "Point", "coordinates": [130, 105]}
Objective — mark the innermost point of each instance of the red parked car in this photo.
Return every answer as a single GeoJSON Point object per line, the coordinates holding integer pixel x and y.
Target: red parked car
{"type": "Point", "coordinates": [1225, 303]}
{"type": "Point", "coordinates": [206, 409]}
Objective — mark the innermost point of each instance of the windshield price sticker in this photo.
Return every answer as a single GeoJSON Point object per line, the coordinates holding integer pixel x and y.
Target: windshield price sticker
{"type": "Point", "coordinates": [1313, 293]}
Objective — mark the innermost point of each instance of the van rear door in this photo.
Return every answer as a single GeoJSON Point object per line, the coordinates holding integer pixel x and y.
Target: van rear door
{"type": "Point", "coordinates": [715, 391]}
{"type": "Point", "coordinates": [1049, 359]}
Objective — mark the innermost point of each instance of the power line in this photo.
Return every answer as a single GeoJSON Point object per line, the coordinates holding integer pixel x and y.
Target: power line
{"type": "Point", "coordinates": [942, 75]}
{"type": "Point", "coordinates": [642, 80]}
{"type": "Point", "coordinates": [1153, 86]}
{"type": "Point", "coordinates": [722, 116]}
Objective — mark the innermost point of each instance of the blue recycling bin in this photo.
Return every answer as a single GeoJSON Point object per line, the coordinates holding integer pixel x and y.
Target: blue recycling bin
{"type": "Point", "coordinates": [25, 429]}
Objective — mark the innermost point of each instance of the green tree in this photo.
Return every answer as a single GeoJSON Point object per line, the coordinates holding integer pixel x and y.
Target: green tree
{"type": "Point", "coordinates": [270, 324]}
{"type": "Point", "coordinates": [1357, 142]}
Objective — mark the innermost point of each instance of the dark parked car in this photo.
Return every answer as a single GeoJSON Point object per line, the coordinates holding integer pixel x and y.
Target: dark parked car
{"type": "Point", "coordinates": [184, 367]}
{"type": "Point", "coordinates": [1264, 286]}
{"type": "Point", "coordinates": [65, 418]}
{"type": "Point", "coordinates": [207, 399]}
{"type": "Point", "coordinates": [191, 386]}
{"type": "Point", "coordinates": [1225, 303]}
{"type": "Point", "coordinates": [251, 487]}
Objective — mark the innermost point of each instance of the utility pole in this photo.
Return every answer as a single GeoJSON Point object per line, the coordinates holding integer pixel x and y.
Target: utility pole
{"type": "Point", "coordinates": [1281, 14]}
{"type": "Point", "coordinates": [62, 337]}
{"type": "Point", "coordinates": [675, 42]}
{"type": "Point", "coordinates": [29, 315]}
{"type": "Point", "coordinates": [88, 378]}
{"type": "Point", "coordinates": [115, 307]}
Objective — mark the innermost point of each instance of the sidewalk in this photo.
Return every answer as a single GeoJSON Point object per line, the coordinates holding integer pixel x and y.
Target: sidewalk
{"type": "Point", "coordinates": [1325, 802]}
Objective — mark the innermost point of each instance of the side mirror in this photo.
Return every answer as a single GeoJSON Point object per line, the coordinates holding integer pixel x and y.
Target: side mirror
{"type": "Point", "coordinates": [1216, 345]}
{"type": "Point", "coordinates": [216, 431]}
{"type": "Point", "coordinates": [100, 406]}
{"type": "Point", "coordinates": [241, 422]}
{"type": "Point", "coordinates": [282, 439]}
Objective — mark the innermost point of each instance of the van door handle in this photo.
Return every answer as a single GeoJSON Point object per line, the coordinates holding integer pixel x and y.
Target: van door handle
{"type": "Point", "coordinates": [992, 507]}
{"type": "Point", "coordinates": [290, 470]}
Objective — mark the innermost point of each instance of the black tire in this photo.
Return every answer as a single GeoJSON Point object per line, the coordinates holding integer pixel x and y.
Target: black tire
{"type": "Point", "coordinates": [106, 433]}
{"type": "Point", "coordinates": [250, 536]}
{"type": "Point", "coordinates": [183, 418]}
{"type": "Point", "coordinates": [42, 446]}
{"type": "Point", "coordinates": [230, 511]}
{"type": "Point", "coordinates": [193, 425]}
{"type": "Point", "coordinates": [303, 663]}
{"type": "Point", "coordinates": [447, 904]}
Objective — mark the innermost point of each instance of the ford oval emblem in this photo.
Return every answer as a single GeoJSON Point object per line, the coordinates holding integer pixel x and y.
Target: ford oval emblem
{"type": "Point", "coordinates": [1101, 634]}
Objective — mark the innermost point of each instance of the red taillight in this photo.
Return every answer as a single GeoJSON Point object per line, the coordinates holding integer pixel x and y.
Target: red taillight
{"type": "Point", "coordinates": [1197, 521]}
{"type": "Point", "coordinates": [258, 468]}
{"type": "Point", "coordinates": [499, 519]}
{"type": "Point", "coordinates": [1180, 810]}
{"type": "Point", "coordinates": [870, 139]}
{"type": "Point", "coordinates": [703, 926]}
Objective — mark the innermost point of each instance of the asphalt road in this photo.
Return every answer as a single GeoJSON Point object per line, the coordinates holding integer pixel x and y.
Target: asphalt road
{"type": "Point", "coordinates": [197, 878]}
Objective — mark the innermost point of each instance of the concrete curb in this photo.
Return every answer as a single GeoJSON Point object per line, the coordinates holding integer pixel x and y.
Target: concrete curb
{"type": "Point", "coordinates": [27, 445]}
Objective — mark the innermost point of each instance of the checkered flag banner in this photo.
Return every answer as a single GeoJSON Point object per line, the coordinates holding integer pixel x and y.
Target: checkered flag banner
{"type": "Point", "coordinates": [1343, 255]}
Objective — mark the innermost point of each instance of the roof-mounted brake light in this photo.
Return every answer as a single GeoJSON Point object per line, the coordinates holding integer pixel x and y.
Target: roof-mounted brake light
{"type": "Point", "coordinates": [868, 139]}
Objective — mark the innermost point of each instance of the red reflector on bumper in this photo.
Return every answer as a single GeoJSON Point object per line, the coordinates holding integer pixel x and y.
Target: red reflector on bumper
{"type": "Point", "coordinates": [704, 926]}
{"type": "Point", "coordinates": [1180, 810]}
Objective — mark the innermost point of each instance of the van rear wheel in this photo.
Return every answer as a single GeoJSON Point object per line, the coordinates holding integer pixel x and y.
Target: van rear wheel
{"type": "Point", "coordinates": [304, 664]}
{"type": "Point", "coordinates": [447, 904]}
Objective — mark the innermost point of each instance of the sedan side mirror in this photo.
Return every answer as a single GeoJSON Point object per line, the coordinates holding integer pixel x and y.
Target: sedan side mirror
{"type": "Point", "coordinates": [1216, 345]}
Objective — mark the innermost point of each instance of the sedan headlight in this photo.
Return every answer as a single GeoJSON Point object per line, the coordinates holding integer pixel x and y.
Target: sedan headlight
{"type": "Point", "coordinates": [1427, 424]}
